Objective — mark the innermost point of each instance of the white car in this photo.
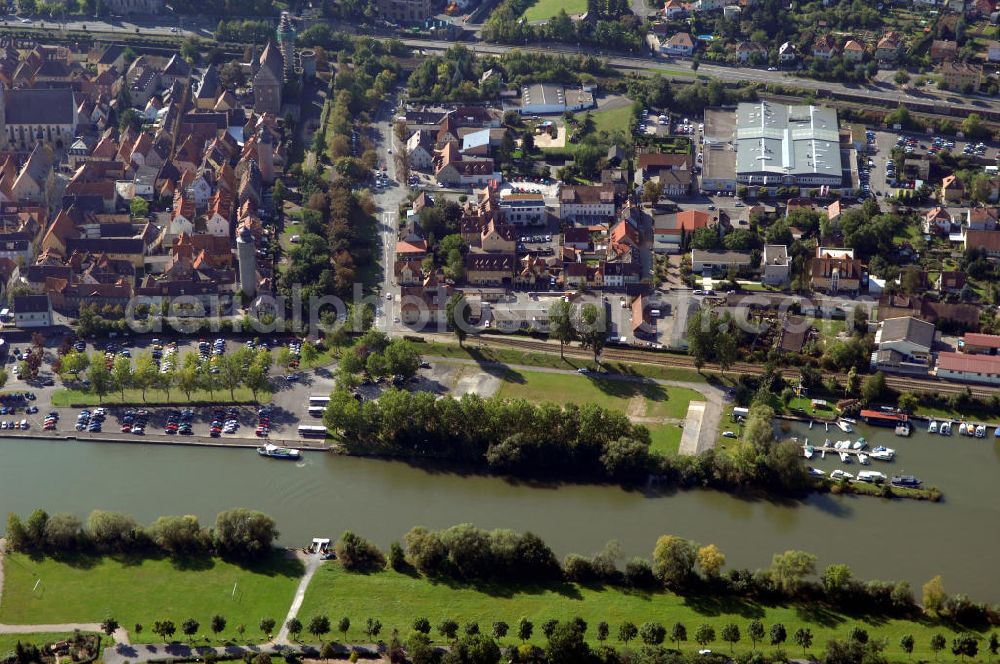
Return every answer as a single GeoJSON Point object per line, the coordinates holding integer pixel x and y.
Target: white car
{"type": "Point", "coordinates": [25, 20]}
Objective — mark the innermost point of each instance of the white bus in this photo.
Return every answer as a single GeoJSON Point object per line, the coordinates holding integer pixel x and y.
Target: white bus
{"type": "Point", "coordinates": [317, 400]}
{"type": "Point", "coordinates": [317, 411]}
{"type": "Point", "coordinates": [312, 431]}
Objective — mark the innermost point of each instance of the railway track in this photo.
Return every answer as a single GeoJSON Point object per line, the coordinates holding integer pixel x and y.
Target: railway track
{"type": "Point", "coordinates": [614, 354]}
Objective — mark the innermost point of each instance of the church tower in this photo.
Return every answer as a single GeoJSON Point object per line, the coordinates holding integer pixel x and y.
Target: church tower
{"type": "Point", "coordinates": [246, 255]}
{"type": "Point", "coordinates": [286, 43]}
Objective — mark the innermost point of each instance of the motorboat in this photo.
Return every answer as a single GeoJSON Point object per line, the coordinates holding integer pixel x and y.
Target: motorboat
{"type": "Point", "coordinates": [906, 481]}
{"type": "Point", "coordinates": [811, 423]}
{"type": "Point", "coordinates": [275, 452]}
{"type": "Point", "coordinates": [863, 460]}
{"type": "Point", "coordinates": [882, 453]}
{"type": "Point", "coordinates": [808, 451]}
{"type": "Point", "coordinates": [903, 429]}
{"type": "Point", "coordinates": [816, 472]}
{"type": "Point", "coordinates": [827, 425]}
{"type": "Point", "coordinates": [845, 457]}
{"type": "Point", "coordinates": [845, 426]}
{"type": "Point", "coordinates": [945, 429]}
{"type": "Point", "coordinates": [962, 428]}
{"type": "Point", "coordinates": [981, 431]}
{"type": "Point", "coordinates": [871, 476]}
{"type": "Point", "coordinates": [859, 444]}
{"type": "Point", "coordinates": [932, 427]}
{"type": "Point", "coordinates": [996, 432]}
{"type": "Point", "coordinates": [841, 475]}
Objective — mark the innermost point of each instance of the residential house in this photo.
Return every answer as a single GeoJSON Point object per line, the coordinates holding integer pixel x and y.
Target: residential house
{"type": "Point", "coordinates": [854, 51]}
{"type": "Point", "coordinates": [452, 169]}
{"type": "Point", "coordinates": [523, 208]}
{"type": "Point", "coordinates": [961, 76]}
{"type": "Point", "coordinates": [952, 190]}
{"type": "Point", "coordinates": [34, 182]}
{"type": "Point", "coordinates": [498, 237]}
{"type": "Point", "coordinates": [981, 219]}
{"type": "Point", "coordinates": [420, 147]}
{"type": "Point", "coordinates": [620, 275]}
{"type": "Point", "coordinates": [650, 165]}
{"type": "Point", "coordinates": [577, 238]}
{"type": "Point", "coordinates": [777, 265]}
{"type": "Point", "coordinates": [950, 281]}
{"type": "Point", "coordinates": [679, 44]}
{"type": "Point", "coordinates": [670, 229]}
{"type": "Point", "coordinates": [835, 272]}
{"type": "Point", "coordinates": [889, 47]}
{"type": "Point", "coordinates": [748, 50]}
{"type": "Point", "coordinates": [32, 311]}
{"type": "Point", "coordinates": [787, 53]}
{"type": "Point", "coordinates": [487, 269]}
{"type": "Point", "coordinates": [716, 262]}
{"type": "Point", "coordinates": [903, 345]}
{"type": "Point", "coordinates": [825, 47]}
{"type": "Point", "coordinates": [674, 9]}
{"type": "Point", "coordinates": [937, 220]}
{"type": "Point", "coordinates": [616, 178]}
{"type": "Point", "coordinates": [986, 241]}
{"type": "Point", "coordinates": [586, 203]}
{"type": "Point", "coordinates": [942, 50]}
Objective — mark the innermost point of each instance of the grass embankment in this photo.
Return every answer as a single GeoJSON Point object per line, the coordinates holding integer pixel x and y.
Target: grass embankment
{"type": "Point", "coordinates": [8, 642]}
{"type": "Point", "coordinates": [645, 402]}
{"type": "Point", "coordinates": [88, 589]}
{"type": "Point", "coordinates": [73, 397]}
{"type": "Point", "coordinates": [553, 361]}
{"type": "Point", "coordinates": [397, 599]}
{"type": "Point", "coordinates": [543, 10]}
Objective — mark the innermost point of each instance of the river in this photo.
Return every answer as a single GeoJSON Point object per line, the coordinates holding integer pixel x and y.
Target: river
{"type": "Point", "coordinates": [325, 494]}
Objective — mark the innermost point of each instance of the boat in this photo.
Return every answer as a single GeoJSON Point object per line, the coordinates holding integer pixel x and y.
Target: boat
{"type": "Point", "coordinates": [827, 425]}
{"type": "Point", "coordinates": [962, 428]}
{"type": "Point", "coordinates": [906, 481]}
{"type": "Point", "coordinates": [811, 423]}
{"type": "Point", "coordinates": [871, 476]}
{"type": "Point", "coordinates": [996, 432]}
{"type": "Point", "coordinates": [816, 472]}
{"type": "Point", "coordinates": [863, 460]}
{"type": "Point", "coordinates": [808, 451]}
{"type": "Point", "coordinates": [980, 431]}
{"type": "Point", "coordinates": [945, 429]}
{"type": "Point", "coordinates": [275, 452]}
{"type": "Point", "coordinates": [882, 453]}
{"type": "Point", "coordinates": [859, 444]}
{"type": "Point", "coordinates": [841, 475]}
{"type": "Point", "coordinates": [845, 426]}
{"type": "Point", "coordinates": [932, 427]}
{"type": "Point", "coordinates": [903, 429]}
{"type": "Point", "coordinates": [845, 457]}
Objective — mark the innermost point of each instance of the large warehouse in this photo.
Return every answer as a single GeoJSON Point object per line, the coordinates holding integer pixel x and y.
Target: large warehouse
{"type": "Point", "coordinates": [777, 145]}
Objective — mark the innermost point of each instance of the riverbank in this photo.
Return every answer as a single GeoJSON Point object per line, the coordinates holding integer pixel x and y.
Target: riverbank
{"type": "Point", "coordinates": [175, 441]}
{"type": "Point", "coordinates": [397, 599]}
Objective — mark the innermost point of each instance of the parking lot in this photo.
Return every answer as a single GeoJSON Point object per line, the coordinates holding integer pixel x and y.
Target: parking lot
{"type": "Point", "coordinates": [916, 145]}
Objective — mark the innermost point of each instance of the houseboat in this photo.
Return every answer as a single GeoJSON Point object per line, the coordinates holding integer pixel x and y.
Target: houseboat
{"type": "Point", "coordinates": [881, 418]}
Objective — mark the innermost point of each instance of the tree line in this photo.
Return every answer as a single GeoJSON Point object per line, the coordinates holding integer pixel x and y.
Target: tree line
{"type": "Point", "coordinates": [239, 534]}
{"type": "Point", "coordinates": [230, 371]}
{"type": "Point", "coordinates": [467, 554]}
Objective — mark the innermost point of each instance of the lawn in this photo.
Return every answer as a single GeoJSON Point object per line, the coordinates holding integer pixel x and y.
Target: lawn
{"type": "Point", "coordinates": [397, 599]}
{"type": "Point", "coordinates": [543, 10]}
{"type": "Point", "coordinates": [9, 641]}
{"type": "Point", "coordinates": [666, 438]}
{"type": "Point", "coordinates": [540, 359]}
{"type": "Point", "coordinates": [71, 397]}
{"type": "Point", "coordinates": [637, 399]}
{"type": "Point", "coordinates": [88, 589]}
{"type": "Point", "coordinates": [610, 120]}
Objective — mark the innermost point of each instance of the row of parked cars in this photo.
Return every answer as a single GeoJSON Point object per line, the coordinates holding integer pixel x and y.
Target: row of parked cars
{"type": "Point", "coordinates": [90, 421]}
{"type": "Point", "coordinates": [263, 421]}
{"type": "Point", "coordinates": [135, 421]}
{"type": "Point", "coordinates": [179, 422]}
{"type": "Point", "coordinates": [224, 421]}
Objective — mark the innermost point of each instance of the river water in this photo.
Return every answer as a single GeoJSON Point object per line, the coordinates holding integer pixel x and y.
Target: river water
{"type": "Point", "coordinates": [325, 494]}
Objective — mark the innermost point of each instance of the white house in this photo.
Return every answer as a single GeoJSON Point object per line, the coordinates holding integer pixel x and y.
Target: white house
{"type": "Point", "coordinates": [909, 336]}
{"type": "Point", "coordinates": [968, 368]}
{"type": "Point", "coordinates": [32, 311]}
{"type": "Point", "coordinates": [777, 265]}
{"type": "Point", "coordinates": [679, 44]}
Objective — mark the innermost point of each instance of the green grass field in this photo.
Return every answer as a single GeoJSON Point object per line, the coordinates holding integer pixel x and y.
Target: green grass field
{"type": "Point", "coordinates": [543, 10]}
{"type": "Point", "coordinates": [666, 437]}
{"type": "Point", "coordinates": [142, 591]}
{"type": "Point", "coordinates": [610, 120]}
{"type": "Point", "coordinates": [9, 641]}
{"type": "Point", "coordinates": [637, 399]}
{"type": "Point", "coordinates": [397, 599]}
{"type": "Point", "coordinates": [67, 397]}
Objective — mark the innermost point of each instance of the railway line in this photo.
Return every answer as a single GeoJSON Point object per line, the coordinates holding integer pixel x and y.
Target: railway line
{"type": "Point", "coordinates": [663, 359]}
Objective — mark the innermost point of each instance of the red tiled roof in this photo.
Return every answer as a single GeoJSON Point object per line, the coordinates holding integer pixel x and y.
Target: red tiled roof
{"type": "Point", "coordinates": [975, 364]}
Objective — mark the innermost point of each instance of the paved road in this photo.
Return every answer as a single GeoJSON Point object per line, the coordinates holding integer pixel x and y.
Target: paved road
{"type": "Point", "coordinates": [312, 563]}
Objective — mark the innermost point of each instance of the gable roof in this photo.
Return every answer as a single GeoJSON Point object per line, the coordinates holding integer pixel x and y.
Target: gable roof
{"type": "Point", "coordinates": [907, 328]}
{"type": "Point", "coordinates": [45, 106]}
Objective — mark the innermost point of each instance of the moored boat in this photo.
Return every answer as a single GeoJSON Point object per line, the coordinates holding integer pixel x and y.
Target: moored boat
{"type": "Point", "coordinates": [882, 453]}
{"type": "Point", "coordinates": [996, 432]}
{"type": "Point", "coordinates": [845, 426]}
{"type": "Point", "coordinates": [845, 457]}
{"type": "Point", "coordinates": [863, 459]}
{"type": "Point", "coordinates": [808, 451]}
{"type": "Point", "coordinates": [932, 427]}
{"type": "Point", "coordinates": [906, 481]}
{"type": "Point", "coordinates": [841, 475]}
{"type": "Point", "coordinates": [945, 428]}
{"type": "Point", "coordinates": [903, 429]}
{"type": "Point", "coordinates": [871, 476]}
{"type": "Point", "coordinates": [275, 452]}
{"type": "Point", "coordinates": [816, 472]}
{"type": "Point", "coordinates": [980, 431]}
{"type": "Point", "coordinates": [962, 428]}
{"type": "Point", "coordinates": [859, 444]}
